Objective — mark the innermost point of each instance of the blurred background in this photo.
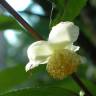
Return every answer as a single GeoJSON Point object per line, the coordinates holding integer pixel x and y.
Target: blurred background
{"type": "Point", "coordinates": [14, 41]}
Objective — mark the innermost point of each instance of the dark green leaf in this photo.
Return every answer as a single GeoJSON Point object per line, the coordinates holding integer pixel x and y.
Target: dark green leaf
{"type": "Point", "coordinates": [12, 77]}
{"type": "Point", "coordinates": [67, 10]}
{"type": "Point", "coordinates": [43, 91]}
{"type": "Point", "coordinates": [7, 22]}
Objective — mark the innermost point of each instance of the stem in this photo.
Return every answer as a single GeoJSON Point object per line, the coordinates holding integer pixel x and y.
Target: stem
{"type": "Point", "coordinates": [20, 19]}
{"type": "Point", "coordinates": [81, 84]}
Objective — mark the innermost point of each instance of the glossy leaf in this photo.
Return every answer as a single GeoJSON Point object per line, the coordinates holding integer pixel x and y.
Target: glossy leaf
{"type": "Point", "coordinates": [11, 77]}
{"type": "Point", "coordinates": [43, 91]}
{"type": "Point", "coordinates": [7, 22]}
{"type": "Point", "coordinates": [67, 10]}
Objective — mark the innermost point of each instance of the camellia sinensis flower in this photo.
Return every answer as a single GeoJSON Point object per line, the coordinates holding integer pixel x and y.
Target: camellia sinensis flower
{"type": "Point", "coordinates": [58, 52]}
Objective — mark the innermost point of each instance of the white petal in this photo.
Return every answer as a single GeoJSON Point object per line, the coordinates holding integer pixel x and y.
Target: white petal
{"type": "Point", "coordinates": [29, 66]}
{"type": "Point", "coordinates": [75, 48]}
{"type": "Point", "coordinates": [64, 32]}
{"type": "Point", "coordinates": [38, 53]}
{"type": "Point", "coordinates": [72, 47]}
{"type": "Point", "coordinates": [32, 64]}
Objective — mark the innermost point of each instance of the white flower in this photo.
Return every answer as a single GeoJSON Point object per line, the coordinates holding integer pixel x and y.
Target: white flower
{"type": "Point", "coordinates": [62, 36]}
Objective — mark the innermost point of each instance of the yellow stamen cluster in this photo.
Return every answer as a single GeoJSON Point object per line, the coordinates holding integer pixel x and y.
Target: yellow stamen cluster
{"type": "Point", "coordinates": [63, 63]}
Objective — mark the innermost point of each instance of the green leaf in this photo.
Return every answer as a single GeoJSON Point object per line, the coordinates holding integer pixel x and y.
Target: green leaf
{"type": "Point", "coordinates": [11, 77]}
{"type": "Point", "coordinates": [67, 10]}
{"type": "Point", "coordinates": [91, 86]}
{"type": "Point", "coordinates": [7, 22]}
{"type": "Point", "coordinates": [73, 86]}
{"type": "Point", "coordinates": [42, 91]}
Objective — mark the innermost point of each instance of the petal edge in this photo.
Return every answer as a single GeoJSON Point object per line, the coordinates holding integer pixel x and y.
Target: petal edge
{"type": "Point", "coordinates": [64, 32]}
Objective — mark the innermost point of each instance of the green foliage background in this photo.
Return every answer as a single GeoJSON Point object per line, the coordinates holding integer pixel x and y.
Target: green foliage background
{"type": "Point", "coordinates": [14, 81]}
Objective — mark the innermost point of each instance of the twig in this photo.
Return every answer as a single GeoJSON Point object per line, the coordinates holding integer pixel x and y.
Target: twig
{"type": "Point", "coordinates": [80, 83]}
{"type": "Point", "coordinates": [20, 19]}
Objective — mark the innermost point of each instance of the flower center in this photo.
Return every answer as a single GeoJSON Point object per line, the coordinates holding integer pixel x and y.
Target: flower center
{"type": "Point", "coordinates": [63, 63]}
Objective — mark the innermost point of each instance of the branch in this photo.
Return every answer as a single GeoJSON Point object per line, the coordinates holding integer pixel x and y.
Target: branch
{"type": "Point", "coordinates": [20, 19]}
{"type": "Point", "coordinates": [80, 83]}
